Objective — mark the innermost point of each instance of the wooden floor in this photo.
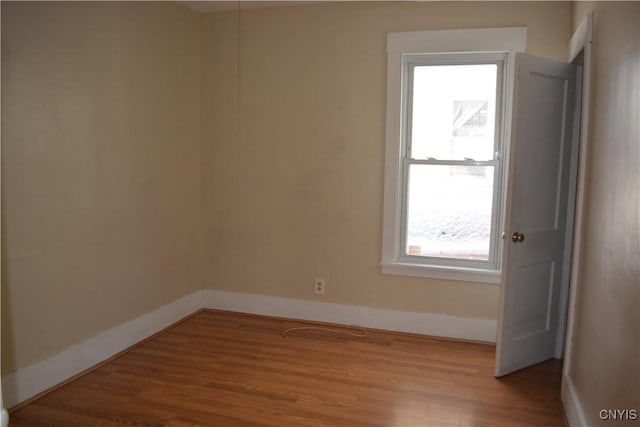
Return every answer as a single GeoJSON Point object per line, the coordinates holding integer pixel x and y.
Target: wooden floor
{"type": "Point", "coordinates": [223, 369]}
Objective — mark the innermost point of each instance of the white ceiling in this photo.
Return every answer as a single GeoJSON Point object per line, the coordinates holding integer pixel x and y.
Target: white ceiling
{"type": "Point", "coordinates": [221, 5]}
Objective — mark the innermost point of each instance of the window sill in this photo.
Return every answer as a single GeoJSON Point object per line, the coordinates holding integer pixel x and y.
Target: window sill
{"type": "Point", "coordinates": [440, 272]}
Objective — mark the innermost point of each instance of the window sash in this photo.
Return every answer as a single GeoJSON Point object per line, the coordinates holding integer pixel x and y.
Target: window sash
{"type": "Point", "coordinates": [409, 64]}
{"type": "Point", "coordinates": [492, 261]}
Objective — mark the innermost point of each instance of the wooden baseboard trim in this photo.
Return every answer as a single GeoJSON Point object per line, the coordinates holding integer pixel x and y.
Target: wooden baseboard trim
{"type": "Point", "coordinates": [100, 364]}
{"type": "Point", "coordinates": [28, 384]}
{"type": "Point", "coordinates": [429, 324]}
{"type": "Point", "coordinates": [574, 412]}
{"type": "Point", "coordinates": [343, 325]}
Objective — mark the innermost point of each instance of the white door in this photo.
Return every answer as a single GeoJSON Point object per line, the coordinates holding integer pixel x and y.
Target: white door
{"type": "Point", "coordinates": [539, 162]}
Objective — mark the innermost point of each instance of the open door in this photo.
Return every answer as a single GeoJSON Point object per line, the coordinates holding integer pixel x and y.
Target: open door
{"type": "Point", "coordinates": [539, 163]}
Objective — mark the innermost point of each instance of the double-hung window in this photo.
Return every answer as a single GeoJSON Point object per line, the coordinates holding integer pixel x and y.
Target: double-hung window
{"type": "Point", "coordinates": [445, 152]}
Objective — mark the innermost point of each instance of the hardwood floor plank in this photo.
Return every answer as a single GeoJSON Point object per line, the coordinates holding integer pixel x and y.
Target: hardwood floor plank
{"type": "Point", "coordinates": [226, 369]}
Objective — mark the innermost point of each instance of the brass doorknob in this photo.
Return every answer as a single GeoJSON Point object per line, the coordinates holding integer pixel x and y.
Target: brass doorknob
{"type": "Point", "coordinates": [517, 237]}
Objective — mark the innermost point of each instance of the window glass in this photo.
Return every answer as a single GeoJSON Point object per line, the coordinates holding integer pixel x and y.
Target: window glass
{"type": "Point", "coordinates": [449, 211]}
{"type": "Point", "coordinates": [453, 111]}
{"type": "Point", "coordinates": [450, 168]}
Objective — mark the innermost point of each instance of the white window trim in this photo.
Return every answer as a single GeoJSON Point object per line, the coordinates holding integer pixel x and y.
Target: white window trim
{"type": "Point", "coordinates": [507, 40]}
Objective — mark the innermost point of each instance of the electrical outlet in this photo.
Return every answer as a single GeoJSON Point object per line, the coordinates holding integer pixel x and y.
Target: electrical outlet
{"type": "Point", "coordinates": [318, 286]}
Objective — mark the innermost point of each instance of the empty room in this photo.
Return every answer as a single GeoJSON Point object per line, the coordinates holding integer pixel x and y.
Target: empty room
{"type": "Point", "coordinates": [349, 213]}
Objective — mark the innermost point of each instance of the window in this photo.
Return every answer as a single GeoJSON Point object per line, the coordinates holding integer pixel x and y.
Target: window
{"type": "Point", "coordinates": [447, 92]}
{"type": "Point", "coordinates": [451, 158]}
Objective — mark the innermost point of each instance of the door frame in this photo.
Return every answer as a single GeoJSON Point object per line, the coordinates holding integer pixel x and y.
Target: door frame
{"type": "Point", "coordinates": [580, 47]}
{"type": "Point", "coordinates": [579, 50]}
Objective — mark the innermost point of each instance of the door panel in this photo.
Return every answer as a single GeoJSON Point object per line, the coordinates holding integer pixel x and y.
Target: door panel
{"type": "Point", "coordinates": [534, 317]}
{"type": "Point", "coordinates": [544, 128]}
{"type": "Point", "coordinates": [536, 208]}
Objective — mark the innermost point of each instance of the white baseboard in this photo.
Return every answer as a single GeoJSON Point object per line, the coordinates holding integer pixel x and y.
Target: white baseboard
{"type": "Point", "coordinates": [32, 380]}
{"type": "Point", "coordinates": [391, 320]}
{"type": "Point", "coordinates": [571, 402]}
{"type": "Point", "coordinates": [28, 382]}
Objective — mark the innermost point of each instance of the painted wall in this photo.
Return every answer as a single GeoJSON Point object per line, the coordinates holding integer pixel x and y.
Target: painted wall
{"type": "Point", "coordinates": [605, 365]}
{"type": "Point", "coordinates": [100, 168]}
{"type": "Point", "coordinates": [293, 125]}
{"type": "Point", "coordinates": [123, 123]}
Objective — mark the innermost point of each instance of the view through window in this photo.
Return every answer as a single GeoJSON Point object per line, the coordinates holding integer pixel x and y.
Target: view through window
{"type": "Point", "coordinates": [450, 161]}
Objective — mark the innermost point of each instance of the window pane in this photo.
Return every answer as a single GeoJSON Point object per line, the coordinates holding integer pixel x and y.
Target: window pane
{"type": "Point", "coordinates": [454, 110]}
{"type": "Point", "coordinates": [449, 212]}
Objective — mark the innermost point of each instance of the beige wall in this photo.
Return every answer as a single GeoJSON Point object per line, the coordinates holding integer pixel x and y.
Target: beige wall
{"type": "Point", "coordinates": [605, 365]}
{"type": "Point", "coordinates": [100, 168]}
{"type": "Point", "coordinates": [112, 141]}
{"type": "Point", "coordinates": [293, 119]}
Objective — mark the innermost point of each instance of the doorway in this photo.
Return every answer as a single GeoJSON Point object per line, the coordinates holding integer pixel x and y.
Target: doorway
{"type": "Point", "coordinates": [538, 294]}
